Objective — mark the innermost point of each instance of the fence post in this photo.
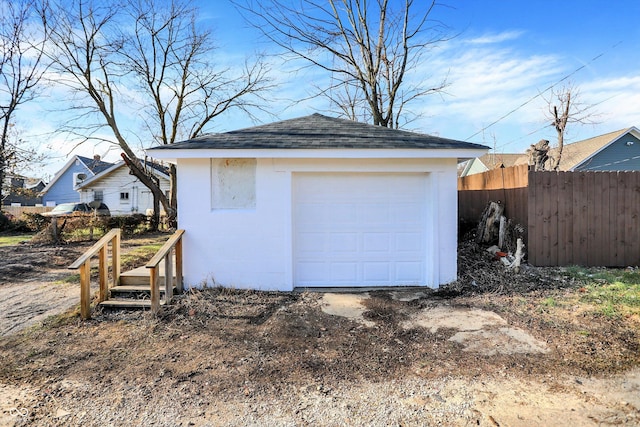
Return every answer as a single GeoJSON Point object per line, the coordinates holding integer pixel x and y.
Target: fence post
{"type": "Point", "coordinates": [85, 290]}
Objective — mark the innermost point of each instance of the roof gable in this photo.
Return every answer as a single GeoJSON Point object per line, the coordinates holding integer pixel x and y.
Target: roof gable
{"type": "Point", "coordinates": [92, 166]}
{"type": "Point", "coordinates": [157, 169]}
{"type": "Point", "coordinates": [318, 132]}
{"type": "Point", "coordinates": [578, 152]}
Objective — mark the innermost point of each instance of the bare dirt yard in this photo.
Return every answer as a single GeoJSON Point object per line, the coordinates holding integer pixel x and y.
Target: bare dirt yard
{"type": "Point", "coordinates": [493, 349]}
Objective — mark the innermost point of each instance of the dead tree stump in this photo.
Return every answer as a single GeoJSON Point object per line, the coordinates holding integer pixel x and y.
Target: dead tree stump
{"type": "Point", "coordinates": [489, 226]}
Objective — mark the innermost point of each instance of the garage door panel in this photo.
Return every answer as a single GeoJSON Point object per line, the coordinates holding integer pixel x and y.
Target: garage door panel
{"type": "Point", "coordinates": [406, 215]}
{"type": "Point", "coordinates": [376, 242]}
{"type": "Point", "coordinates": [344, 242]}
{"type": "Point", "coordinates": [409, 271]}
{"type": "Point", "coordinates": [376, 213]}
{"type": "Point", "coordinates": [311, 272]}
{"type": "Point", "coordinates": [409, 242]}
{"type": "Point", "coordinates": [342, 214]}
{"type": "Point", "coordinates": [344, 272]}
{"type": "Point", "coordinates": [376, 272]}
{"type": "Point", "coordinates": [310, 213]}
{"type": "Point", "coordinates": [359, 229]}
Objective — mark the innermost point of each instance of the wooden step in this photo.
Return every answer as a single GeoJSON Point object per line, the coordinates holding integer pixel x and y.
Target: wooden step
{"type": "Point", "coordinates": [135, 289]}
{"type": "Point", "coordinates": [140, 276]}
{"type": "Point", "coordinates": [128, 303]}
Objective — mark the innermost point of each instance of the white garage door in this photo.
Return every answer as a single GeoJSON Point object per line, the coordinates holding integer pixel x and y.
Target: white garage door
{"type": "Point", "coordinates": [360, 229]}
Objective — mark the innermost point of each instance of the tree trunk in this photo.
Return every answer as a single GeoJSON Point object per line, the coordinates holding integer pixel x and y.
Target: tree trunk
{"type": "Point", "coordinates": [489, 226]}
{"type": "Point", "coordinates": [152, 183]}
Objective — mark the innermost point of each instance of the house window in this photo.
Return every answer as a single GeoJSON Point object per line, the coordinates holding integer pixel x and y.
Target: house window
{"type": "Point", "coordinates": [233, 183]}
{"type": "Point", "coordinates": [98, 196]}
{"type": "Point", "coordinates": [124, 196]}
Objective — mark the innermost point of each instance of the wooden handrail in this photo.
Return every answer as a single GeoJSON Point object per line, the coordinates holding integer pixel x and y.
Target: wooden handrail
{"type": "Point", "coordinates": [164, 250]}
{"type": "Point", "coordinates": [165, 253]}
{"type": "Point", "coordinates": [94, 249]}
{"type": "Point", "coordinates": [83, 263]}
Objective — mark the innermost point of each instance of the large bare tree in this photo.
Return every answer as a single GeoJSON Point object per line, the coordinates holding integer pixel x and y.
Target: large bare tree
{"type": "Point", "coordinates": [368, 48]}
{"type": "Point", "coordinates": [157, 52]}
{"type": "Point", "coordinates": [564, 108]}
{"type": "Point", "coordinates": [22, 35]}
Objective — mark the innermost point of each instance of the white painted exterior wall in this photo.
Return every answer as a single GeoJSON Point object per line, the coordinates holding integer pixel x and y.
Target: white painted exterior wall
{"type": "Point", "coordinates": [253, 248]}
{"type": "Point", "coordinates": [119, 181]}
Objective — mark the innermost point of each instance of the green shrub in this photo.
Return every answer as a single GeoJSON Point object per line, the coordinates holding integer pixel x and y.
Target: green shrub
{"type": "Point", "coordinates": [35, 221]}
{"type": "Point", "coordinates": [5, 222]}
{"type": "Point", "coordinates": [129, 224]}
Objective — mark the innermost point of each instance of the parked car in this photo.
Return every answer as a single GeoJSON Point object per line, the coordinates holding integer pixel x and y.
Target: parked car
{"type": "Point", "coordinates": [67, 209]}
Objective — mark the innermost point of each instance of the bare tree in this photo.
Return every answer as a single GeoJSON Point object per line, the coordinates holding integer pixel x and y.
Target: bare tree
{"type": "Point", "coordinates": [564, 108]}
{"type": "Point", "coordinates": [367, 47]}
{"type": "Point", "coordinates": [158, 52]}
{"type": "Point", "coordinates": [22, 36]}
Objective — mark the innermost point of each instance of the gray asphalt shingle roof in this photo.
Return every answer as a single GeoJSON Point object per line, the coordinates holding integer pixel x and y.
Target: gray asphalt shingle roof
{"type": "Point", "coordinates": [318, 132]}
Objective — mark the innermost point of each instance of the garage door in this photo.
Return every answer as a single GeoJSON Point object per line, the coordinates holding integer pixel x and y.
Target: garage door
{"type": "Point", "coordinates": [360, 229]}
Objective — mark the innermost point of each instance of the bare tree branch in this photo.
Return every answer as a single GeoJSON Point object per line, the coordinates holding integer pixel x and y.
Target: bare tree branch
{"type": "Point", "coordinates": [565, 108]}
{"type": "Point", "coordinates": [22, 36]}
{"type": "Point", "coordinates": [368, 47]}
{"type": "Point", "coordinates": [159, 51]}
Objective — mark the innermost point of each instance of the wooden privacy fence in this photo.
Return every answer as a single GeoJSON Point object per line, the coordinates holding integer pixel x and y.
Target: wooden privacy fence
{"type": "Point", "coordinates": [17, 211]}
{"type": "Point", "coordinates": [581, 218]}
{"type": "Point", "coordinates": [584, 218]}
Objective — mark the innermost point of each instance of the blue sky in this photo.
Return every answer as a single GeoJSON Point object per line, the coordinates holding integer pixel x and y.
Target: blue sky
{"type": "Point", "coordinates": [506, 55]}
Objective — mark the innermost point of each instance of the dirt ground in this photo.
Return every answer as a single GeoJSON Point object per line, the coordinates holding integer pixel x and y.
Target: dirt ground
{"type": "Point", "coordinates": [483, 351]}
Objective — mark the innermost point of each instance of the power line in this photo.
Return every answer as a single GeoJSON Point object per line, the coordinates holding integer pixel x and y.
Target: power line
{"type": "Point", "coordinates": [595, 58]}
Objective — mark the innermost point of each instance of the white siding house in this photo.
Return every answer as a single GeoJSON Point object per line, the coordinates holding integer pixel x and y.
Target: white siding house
{"type": "Point", "coordinates": [121, 191]}
{"type": "Point", "coordinates": [318, 202]}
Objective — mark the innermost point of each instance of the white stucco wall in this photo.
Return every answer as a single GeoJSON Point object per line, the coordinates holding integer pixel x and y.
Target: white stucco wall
{"type": "Point", "coordinates": [252, 248]}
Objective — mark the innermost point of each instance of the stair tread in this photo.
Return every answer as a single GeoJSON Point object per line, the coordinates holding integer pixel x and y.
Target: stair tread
{"type": "Point", "coordinates": [128, 303]}
{"type": "Point", "coordinates": [135, 288]}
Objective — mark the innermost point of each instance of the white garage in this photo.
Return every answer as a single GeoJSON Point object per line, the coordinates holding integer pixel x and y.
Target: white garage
{"type": "Point", "coordinates": [318, 202]}
{"type": "Point", "coordinates": [360, 229]}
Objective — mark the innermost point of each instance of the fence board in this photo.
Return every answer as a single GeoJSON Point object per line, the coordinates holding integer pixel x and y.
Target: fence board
{"type": "Point", "coordinates": [611, 212]}
{"type": "Point", "coordinates": [17, 211]}
{"type": "Point", "coordinates": [545, 213]}
{"type": "Point", "coordinates": [580, 212]}
{"type": "Point", "coordinates": [565, 222]}
{"type": "Point", "coordinates": [633, 257]}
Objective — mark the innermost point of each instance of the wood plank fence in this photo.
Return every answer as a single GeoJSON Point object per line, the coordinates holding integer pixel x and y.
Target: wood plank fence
{"type": "Point", "coordinates": [581, 218]}
{"type": "Point", "coordinates": [17, 211]}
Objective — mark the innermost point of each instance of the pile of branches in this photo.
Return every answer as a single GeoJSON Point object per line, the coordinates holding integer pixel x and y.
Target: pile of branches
{"type": "Point", "coordinates": [483, 267]}
{"type": "Point", "coordinates": [480, 271]}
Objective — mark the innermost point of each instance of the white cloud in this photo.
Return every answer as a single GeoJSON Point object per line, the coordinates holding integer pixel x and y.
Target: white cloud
{"type": "Point", "coordinates": [495, 37]}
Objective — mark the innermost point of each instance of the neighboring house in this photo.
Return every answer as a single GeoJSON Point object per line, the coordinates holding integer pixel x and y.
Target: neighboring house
{"type": "Point", "coordinates": [318, 202]}
{"type": "Point", "coordinates": [487, 162]}
{"type": "Point", "coordinates": [120, 190]}
{"type": "Point", "coordinates": [614, 151]}
{"type": "Point", "coordinates": [22, 191]}
{"type": "Point", "coordinates": [78, 168]}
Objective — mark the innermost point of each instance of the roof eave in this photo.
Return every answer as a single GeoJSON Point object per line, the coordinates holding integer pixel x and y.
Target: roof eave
{"type": "Point", "coordinates": [353, 153]}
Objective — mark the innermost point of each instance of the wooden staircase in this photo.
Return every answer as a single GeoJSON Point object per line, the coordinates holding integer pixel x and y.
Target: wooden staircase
{"type": "Point", "coordinates": [143, 287]}
{"type": "Point", "coordinates": [134, 290]}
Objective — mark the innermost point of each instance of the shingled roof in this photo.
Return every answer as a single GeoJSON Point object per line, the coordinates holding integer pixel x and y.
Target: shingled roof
{"type": "Point", "coordinates": [577, 152]}
{"type": "Point", "coordinates": [319, 132]}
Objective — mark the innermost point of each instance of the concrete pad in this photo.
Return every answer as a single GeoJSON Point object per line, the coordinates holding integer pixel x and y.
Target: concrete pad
{"type": "Point", "coordinates": [479, 331]}
{"type": "Point", "coordinates": [500, 341]}
{"type": "Point", "coordinates": [454, 318]}
{"type": "Point", "coordinates": [346, 305]}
